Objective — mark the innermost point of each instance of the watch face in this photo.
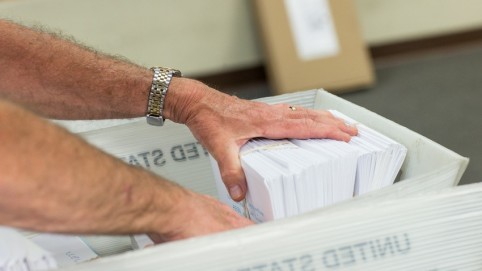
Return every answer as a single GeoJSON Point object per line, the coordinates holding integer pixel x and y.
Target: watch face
{"type": "Point", "coordinates": [156, 121]}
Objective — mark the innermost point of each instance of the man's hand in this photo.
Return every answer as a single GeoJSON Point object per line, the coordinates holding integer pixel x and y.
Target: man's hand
{"type": "Point", "coordinates": [197, 215]}
{"type": "Point", "coordinates": [223, 123]}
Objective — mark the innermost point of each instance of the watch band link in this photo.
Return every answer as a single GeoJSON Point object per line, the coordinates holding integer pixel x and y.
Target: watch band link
{"type": "Point", "coordinates": [160, 84]}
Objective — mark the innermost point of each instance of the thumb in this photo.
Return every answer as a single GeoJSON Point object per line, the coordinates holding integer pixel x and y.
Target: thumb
{"type": "Point", "coordinates": [232, 173]}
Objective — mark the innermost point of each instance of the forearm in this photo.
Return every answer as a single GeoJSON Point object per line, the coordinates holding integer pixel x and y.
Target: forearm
{"type": "Point", "coordinates": [53, 181]}
{"type": "Point", "coordinates": [61, 79]}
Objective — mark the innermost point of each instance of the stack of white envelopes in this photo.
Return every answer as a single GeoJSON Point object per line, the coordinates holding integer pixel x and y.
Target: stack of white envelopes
{"type": "Point", "coordinates": [380, 158]}
{"type": "Point", "coordinates": [290, 177]}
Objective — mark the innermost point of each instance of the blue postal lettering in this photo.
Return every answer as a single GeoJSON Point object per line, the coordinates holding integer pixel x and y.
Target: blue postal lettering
{"type": "Point", "coordinates": [307, 263]}
{"type": "Point", "coordinates": [330, 259]}
{"type": "Point", "coordinates": [146, 159]}
{"type": "Point", "coordinates": [361, 250]}
{"type": "Point", "coordinates": [386, 246]}
{"type": "Point", "coordinates": [177, 153]}
{"type": "Point", "coordinates": [144, 155]}
{"type": "Point", "coordinates": [133, 161]}
{"type": "Point", "coordinates": [158, 159]}
{"type": "Point", "coordinates": [289, 263]}
{"type": "Point", "coordinates": [340, 257]}
{"type": "Point", "coordinates": [275, 267]}
{"type": "Point", "coordinates": [346, 253]}
{"type": "Point", "coordinates": [261, 267]}
{"type": "Point", "coordinates": [392, 243]}
{"type": "Point", "coordinates": [366, 251]}
{"type": "Point", "coordinates": [191, 150]}
{"type": "Point", "coordinates": [302, 263]}
{"type": "Point", "coordinates": [400, 248]}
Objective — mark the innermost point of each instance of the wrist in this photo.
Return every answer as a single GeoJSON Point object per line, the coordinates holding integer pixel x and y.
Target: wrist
{"type": "Point", "coordinates": [182, 98]}
{"type": "Point", "coordinates": [170, 211]}
{"type": "Point", "coordinates": [161, 207]}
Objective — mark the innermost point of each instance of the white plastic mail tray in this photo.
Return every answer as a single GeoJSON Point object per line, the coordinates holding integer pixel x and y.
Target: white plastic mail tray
{"type": "Point", "coordinates": [174, 153]}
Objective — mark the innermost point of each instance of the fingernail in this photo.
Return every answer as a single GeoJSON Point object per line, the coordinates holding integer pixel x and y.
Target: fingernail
{"type": "Point", "coordinates": [235, 191]}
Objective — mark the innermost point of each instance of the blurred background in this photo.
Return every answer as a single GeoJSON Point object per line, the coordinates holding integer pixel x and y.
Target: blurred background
{"type": "Point", "coordinates": [425, 55]}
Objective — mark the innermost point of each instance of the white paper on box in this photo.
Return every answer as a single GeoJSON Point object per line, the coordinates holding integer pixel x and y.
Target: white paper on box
{"type": "Point", "coordinates": [313, 28]}
{"type": "Point", "coordinates": [66, 249]}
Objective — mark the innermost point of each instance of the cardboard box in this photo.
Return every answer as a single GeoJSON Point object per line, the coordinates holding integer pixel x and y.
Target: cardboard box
{"type": "Point", "coordinates": [174, 153]}
{"type": "Point", "coordinates": [313, 44]}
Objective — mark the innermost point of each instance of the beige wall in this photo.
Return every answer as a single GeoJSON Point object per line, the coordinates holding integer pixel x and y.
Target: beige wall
{"type": "Point", "coordinates": [210, 36]}
{"type": "Point", "coordinates": [388, 21]}
{"type": "Point", "coordinates": [198, 37]}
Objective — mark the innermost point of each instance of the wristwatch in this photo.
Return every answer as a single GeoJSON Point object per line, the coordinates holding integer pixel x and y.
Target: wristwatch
{"type": "Point", "coordinates": [160, 84]}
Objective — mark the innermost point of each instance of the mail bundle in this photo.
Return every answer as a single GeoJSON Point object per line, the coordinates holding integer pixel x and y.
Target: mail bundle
{"type": "Point", "coordinates": [291, 177]}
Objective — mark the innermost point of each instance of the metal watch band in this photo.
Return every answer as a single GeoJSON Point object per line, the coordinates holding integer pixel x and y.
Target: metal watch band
{"type": "Point", "coordinates": [160, 83]}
